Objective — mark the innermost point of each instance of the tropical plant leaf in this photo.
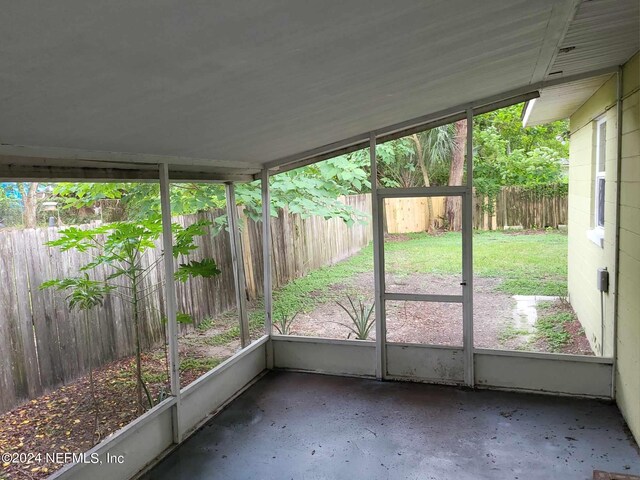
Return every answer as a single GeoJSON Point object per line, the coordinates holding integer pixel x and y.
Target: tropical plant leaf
{"type": "Point", "coordinates": [206, 268]}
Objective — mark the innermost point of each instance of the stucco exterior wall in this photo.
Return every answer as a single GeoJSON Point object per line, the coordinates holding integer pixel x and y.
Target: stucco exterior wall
{"type": "Point", "coordinates": [585, 256]}
{"type": "Point", "coordinates": [628, 353]}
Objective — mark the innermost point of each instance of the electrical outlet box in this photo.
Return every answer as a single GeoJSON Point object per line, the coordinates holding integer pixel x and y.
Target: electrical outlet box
{"type": "Point", "coordinates": [603, 280]}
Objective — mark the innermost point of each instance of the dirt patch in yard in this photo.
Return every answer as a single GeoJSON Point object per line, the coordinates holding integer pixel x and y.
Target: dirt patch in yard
{"type": "Point", "coordinates": [495, 316]}
{"type": "Point", "coordinates": [64, 420]}
{"type": "Point", "coordinates": [578, 345]}
{"type": "Point", "coordinates": [416, 322]}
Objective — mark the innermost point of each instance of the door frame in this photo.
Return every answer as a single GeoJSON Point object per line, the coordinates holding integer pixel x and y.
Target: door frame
{"type": "Point", "coordinates": [466, 299]}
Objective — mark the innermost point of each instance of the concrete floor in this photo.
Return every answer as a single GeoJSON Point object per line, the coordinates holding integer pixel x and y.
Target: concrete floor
{"type": "Point", "coordinates": [304, 426]}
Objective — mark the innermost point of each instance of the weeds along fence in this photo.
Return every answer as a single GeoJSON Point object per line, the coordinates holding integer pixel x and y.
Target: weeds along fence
{"type": "Point", "coordinates": [43, 343]}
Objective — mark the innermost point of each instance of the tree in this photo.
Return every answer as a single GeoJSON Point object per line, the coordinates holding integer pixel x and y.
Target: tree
{"type": "Point", "coordinates": [496, 167]}
{"type": "Point", "coordinates": [10, 209]}
{"type": "Point", "coordinates": [507, 154]}
{"type": "Point", "coordinates": [311, 190]}
{"type": "Point", "coordinates": [453, 206]}
{"type": "Point", "coordinates": [85, 294]}
{"type": "Point", "coordinates": [421, 159]}
{"type": "Point", "coordinates": [122, 246]}
{"type": "Point", "coordinates": [508, 124]}
{"type": "Point", "coordinates": [23, 196]}
{"type": "Point", "coordinates": [432, 147]}
{"type": "Point", "coordinates": [397, 165]}
{"type": "Point", "coordinates": [28, 192]}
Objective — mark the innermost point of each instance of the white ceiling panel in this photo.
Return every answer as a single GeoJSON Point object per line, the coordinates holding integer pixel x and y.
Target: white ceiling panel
{"type": "Point", "coordinates": [228, 82]}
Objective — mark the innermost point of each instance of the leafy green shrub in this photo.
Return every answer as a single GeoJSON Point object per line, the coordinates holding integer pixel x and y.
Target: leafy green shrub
{"type": "Point", "coordinates": [122, 247]}
{"type": "Point", "coordinates": [205, 324]}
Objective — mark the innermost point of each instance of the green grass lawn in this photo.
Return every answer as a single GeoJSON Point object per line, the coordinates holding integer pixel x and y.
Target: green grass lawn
{"type": "Point", "coordinates": [529, 264]}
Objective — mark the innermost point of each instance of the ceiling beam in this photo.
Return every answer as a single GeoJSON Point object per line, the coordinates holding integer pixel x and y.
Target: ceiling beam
{"type": "Point", "coordinates": [71, 156]}
{"type": "Point", "coordinates": [13, 168]}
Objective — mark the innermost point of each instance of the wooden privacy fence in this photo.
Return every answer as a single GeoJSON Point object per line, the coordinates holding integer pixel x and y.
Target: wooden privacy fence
{"type": "Point", "coordinates": [516, 206]}
{"type": "Point", "coordinates": [409, 215]}
{"type": "Point", "coordinates": [43, 343]}
{"type": "Point", "coordinates": [513, 206]}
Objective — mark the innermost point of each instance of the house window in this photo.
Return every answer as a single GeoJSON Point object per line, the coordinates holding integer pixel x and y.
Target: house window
{"type": "Point", "coordinates": [600, 183]}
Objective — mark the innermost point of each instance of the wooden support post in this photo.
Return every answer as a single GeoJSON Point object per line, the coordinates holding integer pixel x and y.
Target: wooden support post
{"type": "Point", "coordinates": [238, 264]}
{"type": "Point", "coordinates": [170, 295]}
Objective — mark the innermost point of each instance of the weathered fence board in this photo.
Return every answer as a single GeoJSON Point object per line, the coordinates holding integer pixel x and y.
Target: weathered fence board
{"type": "Point", "coordinates": [9, 390]}
{"type": "Point", "coordinates": [519, 207]}
{"type": "Point", "coordinates": [24, 314]}
{"type": "Point", "coordinates": [43, 344]}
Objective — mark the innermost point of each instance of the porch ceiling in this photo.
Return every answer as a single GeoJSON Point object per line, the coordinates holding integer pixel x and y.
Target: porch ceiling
{"type": "Point", "coordinates": [603, 33]}
{"type": "Point", "coordinates": [232, 86]}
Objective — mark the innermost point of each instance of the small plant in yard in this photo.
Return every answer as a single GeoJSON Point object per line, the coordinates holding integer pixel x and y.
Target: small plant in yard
{"type": "Point", "coordinates": [510, 332]}
{"type": "Point", "coordinates": [225, 337]}
{"type": "Point", "coordinates": [205, 324]}
{"type": "Point", "coordinates": [124, 248]}
{"type": "Point", "coordinates": [85, 294]}
{"type": "Point", "coordinates": [361, 317]}
{"type": "Point", "coordinates": [283, 323]}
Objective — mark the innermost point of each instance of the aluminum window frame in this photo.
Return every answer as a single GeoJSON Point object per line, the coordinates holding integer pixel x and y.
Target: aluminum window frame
{"type": "Point", "coordinates": [600, 171]}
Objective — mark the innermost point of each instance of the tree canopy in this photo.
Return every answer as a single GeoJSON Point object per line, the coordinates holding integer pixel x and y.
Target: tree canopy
{"type": "Point", "coordinates": [311, 190]}
{"type": "Point", "coordinates": [507, 154]}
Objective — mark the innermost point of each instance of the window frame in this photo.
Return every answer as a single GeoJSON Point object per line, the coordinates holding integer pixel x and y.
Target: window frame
{"type": "Point", "coordinates": [600, 175]}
